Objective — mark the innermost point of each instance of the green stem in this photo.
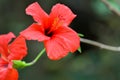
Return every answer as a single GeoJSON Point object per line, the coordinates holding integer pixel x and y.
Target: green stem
{"type": "Point", "coordinates": [36, 59]}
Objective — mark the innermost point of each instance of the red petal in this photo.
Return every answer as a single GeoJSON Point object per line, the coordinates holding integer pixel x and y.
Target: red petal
{"type": "Point", "coordinates": [17, 49]}
{"type": "Point", "coordinates": [69, 38]}
{"type": "Point", "coordinates": [3, 62]}
{"type": "Point", "coordinates": [62, 12]}
{"type": "Point", "coordinates": [64, 40]}
{"type": "Point", "coordinates": [37, 13]}
{"type": "Point", "coordinates": [34, 32]}
{"type": "Point", "coordinates": [8, 73]}
{"type": "Point", "coordinates": [55, 49]}
{"type": "Point", "coordinates": [12, 74]}
{"type": "Point", "coordinates": [4, 40]}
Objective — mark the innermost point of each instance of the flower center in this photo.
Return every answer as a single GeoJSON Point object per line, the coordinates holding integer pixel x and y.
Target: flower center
{"type": "Point", "coordinates": [48, 33]}
{"type": "Point", "coordinates": [54, 26]}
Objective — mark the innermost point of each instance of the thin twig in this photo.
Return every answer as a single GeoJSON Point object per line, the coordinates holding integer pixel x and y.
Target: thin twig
{"type": "Point", "coordinates": [100, 45]}
{"type": "Point", "coordinates": [111, 7]}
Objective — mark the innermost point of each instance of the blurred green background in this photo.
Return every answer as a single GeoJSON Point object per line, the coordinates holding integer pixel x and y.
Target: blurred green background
{"type": "Point", "coordinates": [94, 20]}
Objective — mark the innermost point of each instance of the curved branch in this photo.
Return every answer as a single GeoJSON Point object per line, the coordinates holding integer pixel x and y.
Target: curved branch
{"type": "Point", "coordinates": [100, 45]}
{"type": "Point", "coordinates": [110, 7]}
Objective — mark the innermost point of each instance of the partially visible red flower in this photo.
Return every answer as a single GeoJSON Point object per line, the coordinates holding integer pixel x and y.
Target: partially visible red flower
{"type": "Point", "coordinates": [53, 29]}
{"type": "Point", "coordinates": [8, 52]}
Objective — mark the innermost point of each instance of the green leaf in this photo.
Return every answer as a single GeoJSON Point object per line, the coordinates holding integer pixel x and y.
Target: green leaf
{"type": "Point", "coordinates": [81, 35]}
{"type": "Point", "coordinates": [114, 4]}
{"type": "Point", "coordinates": [100, 8]}
{"type": "Point", "coordinates": [79, 50]}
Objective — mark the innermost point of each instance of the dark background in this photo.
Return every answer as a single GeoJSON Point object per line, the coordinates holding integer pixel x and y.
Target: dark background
{"type": "Point", "coordinates": [93, 20]}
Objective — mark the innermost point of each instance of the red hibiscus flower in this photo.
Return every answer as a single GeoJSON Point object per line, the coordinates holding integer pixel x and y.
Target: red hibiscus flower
{"type": "Point", "coordinates": [8, 52]}
{"type": "Point", "coordinates": [53, 30]}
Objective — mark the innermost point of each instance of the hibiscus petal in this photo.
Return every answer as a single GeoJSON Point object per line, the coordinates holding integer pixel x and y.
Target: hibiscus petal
{"type": "Point", "coordinates": [2, 62]}
{"type": "Point", "coordinates": [38, 14]}
{"type": "Point", "coordinates": [4, 40]}
{"type": "Point", "coordinates": [55, 49]}
{"type": "Point", "coordinates": [69, 38]}
{"type": "Point", "coordinates": [8, 73]}
{"type": "Point", "coordinates": [34, 32]}
{"type": "Point", "coordinates": [17, 49]}
{"type": "Point", "coordinates": [12, 74]}
{"type": "Point", "coordinates": [62, 12]}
